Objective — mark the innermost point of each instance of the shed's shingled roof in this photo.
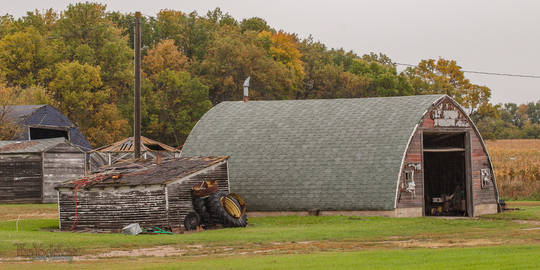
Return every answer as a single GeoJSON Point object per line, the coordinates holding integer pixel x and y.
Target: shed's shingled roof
{"type": "Point", "coordinates": [147, 172]}
{"type": "Point", "coordinates": [33, 146]}
{"type": "Point", "coordinates": [334, 154]}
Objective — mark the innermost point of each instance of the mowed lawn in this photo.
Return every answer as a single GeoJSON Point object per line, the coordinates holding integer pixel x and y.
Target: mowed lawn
{"type": "Point", "coordinates": [509, 240]}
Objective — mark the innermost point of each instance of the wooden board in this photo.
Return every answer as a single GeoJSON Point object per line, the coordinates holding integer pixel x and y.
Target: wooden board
{"type": "Point", "coordinates": [60, 167]}
{"type": "Point", "coordinates": [20, 178]}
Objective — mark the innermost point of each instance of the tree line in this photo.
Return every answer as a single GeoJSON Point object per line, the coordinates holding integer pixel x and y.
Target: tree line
{"type": "Point", "coordinates": [80, 60]}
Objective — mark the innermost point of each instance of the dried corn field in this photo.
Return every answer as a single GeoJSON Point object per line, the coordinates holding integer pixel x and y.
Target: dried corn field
{"type": "Point", "coordinates": [517, 167]}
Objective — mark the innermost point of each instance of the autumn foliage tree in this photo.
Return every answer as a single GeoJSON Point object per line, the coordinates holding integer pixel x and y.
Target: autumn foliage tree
{"type": "Point", "coordinates": [446, 77]}
{"type": "Point", "coordinates": [81, 95]}
{"type": "Point", "coordinates": [8, 128]}
{"type": "Point", "coordinates": [165, 55]}
{"type": "Point", "coordinates": [80, 60]}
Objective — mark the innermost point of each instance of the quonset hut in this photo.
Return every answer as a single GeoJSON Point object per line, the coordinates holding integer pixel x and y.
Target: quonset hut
{"type": "Point", "coordinates": [395, 156]}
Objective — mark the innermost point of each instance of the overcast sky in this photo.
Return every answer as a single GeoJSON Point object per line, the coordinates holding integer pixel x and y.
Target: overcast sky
{"type": "Point", "coordinates": [493, 36]}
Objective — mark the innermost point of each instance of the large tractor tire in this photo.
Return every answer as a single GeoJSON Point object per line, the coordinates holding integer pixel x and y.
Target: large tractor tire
{"type": "Point", "coordinates": [227, 209]}
{"type": "Point", "coordinates": [199, 194]}
{"type": "Point", "coordinates": [199, 205]}
{"type": "Point", "coordinates": [191, 221]}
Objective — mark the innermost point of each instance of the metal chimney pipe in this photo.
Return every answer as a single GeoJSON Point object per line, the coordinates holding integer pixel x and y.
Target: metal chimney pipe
{"type": "Point", "coordinates": [246, 89]}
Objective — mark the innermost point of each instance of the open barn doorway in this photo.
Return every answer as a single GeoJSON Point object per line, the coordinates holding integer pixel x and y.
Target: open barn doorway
{"type": "Point", "coordinates": [445, 174]}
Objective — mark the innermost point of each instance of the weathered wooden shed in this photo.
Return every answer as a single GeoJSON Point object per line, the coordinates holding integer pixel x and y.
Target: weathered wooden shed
{"type": "Point", "coordinates": [44, 122]}
{"type": "Point", "coordinates": [147, 193]}
{"type": "Point", "coordinates": [124, 150]}
{"type": "Point", "coordinates": [396, 156]}
{"type": "Point", "coordinates": [29, 170]}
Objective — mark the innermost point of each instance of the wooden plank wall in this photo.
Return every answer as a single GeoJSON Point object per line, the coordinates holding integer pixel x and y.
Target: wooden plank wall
{"type": "Point", "coordinates": [412, 157]}
{"type": "Point", "coordinates": [485, 195]}
{"type": "Point", "coordinates": [20, 178]}
{"type": "Point", "coordinates": [180, 193]}
{"type": "Point", "coordinates": [111, 209]}
{"type": "Point", "coordinates": [61, 163]}
{"type": "Point", "coordinates": [458, 121]}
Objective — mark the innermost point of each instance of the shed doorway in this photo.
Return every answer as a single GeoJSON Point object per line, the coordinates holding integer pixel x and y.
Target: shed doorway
{"type": "Point", "coordinates": [445, 174]}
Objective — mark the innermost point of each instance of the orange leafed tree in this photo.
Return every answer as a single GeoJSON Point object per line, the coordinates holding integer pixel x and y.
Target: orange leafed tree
{"type": "Point", "coordinates": [284, 49]}
{"type": "Point", "coordinates": [165, 55]}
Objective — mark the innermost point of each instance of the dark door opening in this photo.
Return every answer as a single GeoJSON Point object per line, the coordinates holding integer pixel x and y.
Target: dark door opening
{"type": "Point", "coordinates": [45, 133]}
{"type": "Point", "coordinates": [445, 175]}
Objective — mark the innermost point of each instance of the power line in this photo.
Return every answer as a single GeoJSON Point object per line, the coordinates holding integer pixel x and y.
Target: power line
{"type": "Point", "coordinates": [485, 73]}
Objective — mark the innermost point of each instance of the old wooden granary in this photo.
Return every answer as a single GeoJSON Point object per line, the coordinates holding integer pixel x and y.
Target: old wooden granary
{"type": "Point", "coordinates": [29, 170]}
{"type": "Point", "coordinates": [150, 193]}
{"type": "Point", "coordinates": [395, 156]}
{"type": "Point", "coordinates": [45, 122]}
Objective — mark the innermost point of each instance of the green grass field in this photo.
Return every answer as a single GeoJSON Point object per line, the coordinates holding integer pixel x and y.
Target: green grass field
{"type": "Point", "coordinates": [489, 258]}
{"type": "Point", "coordinates": [506, 240]}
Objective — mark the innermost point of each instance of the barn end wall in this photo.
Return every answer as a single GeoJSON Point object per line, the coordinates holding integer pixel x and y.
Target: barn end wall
{"type": "Point", "coordinates": [110, 209]}
{"type": "Point", "coordinates": [447, 115]}
{"type": "Point", "coordinates": [20, 178]}
{"type": "Point", "coordinates": [61, 163]}
{"type": "Point", "coordinates": [179, 192]}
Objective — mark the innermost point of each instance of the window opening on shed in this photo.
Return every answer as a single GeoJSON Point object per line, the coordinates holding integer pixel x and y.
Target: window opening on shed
{"type": "Point", "coordinates": [445, 174]}
{"type": "Point", "coordinates": [45, 133]}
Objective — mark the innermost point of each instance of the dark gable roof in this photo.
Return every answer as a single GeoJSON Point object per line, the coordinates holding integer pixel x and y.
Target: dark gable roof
{"type": "Point", "coordinates": [333, 154]}
{"type": "Point", "coordinates": [20, 112]}
{"type": "Point", "coordinates": [148, 172]}
{"type": "Point", "coordinates": [46, 115]}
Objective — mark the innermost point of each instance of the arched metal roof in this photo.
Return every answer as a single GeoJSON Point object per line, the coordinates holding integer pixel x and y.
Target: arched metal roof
{"type": "Point", "coordinates": [333, 154]}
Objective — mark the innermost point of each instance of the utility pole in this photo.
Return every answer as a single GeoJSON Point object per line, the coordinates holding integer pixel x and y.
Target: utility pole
{"type": "Point", "coordinates": [137, 118]}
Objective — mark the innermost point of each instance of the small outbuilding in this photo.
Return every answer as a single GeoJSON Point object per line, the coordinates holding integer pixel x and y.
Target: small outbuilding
{"type": "Point", "coordinates": [45, 122]}
{"type": "Point", "coordinates": [395, 156]}
{"type": "Point", "coordinates": [124, 150]}
{"type": "Point", "coordinates": [29, 170]}
{"type": "Point", "coordinates": [148, 192]}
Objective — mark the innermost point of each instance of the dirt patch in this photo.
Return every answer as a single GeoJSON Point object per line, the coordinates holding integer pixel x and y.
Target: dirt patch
{"type": "Point", "coordinates": [159, 251]}
{"type": "Point", "coordinates": [530, 222]}
{"type": "Point", "coordinates": [531, 229]}
{"type": "Point", "coordinates": [34, 215]}
{"type": "Point", "coordinates": [443, 244]}
{"type": "Point", "coordinates": [288, 247]}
